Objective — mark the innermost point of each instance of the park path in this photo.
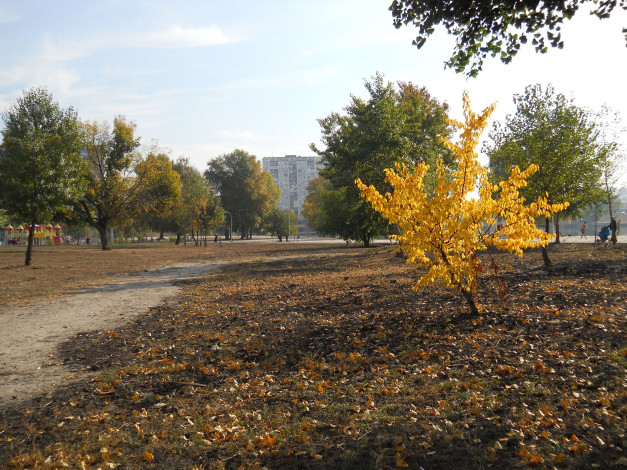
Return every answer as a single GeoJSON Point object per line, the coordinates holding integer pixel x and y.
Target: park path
{"type": "Point", "coordinates": [31, 333]}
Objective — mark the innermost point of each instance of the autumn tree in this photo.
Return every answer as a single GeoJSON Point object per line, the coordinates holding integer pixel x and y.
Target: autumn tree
{"type": "Point", "coordinates": [443, 232]}
{"type": "Point", "coordinates": [111, 155]}
{"type": "Point", "coordinates": [160, 193]}
{"type": "Point", "coordinates": [206, 211]}
{"type": "Point", "coordinates": [550, 131]}
{"type": "Point", "coordinates": [192, 187]}
{"type": "Point", "coordinates": [391, 126]}
{"type": "Point", "coordinates": [494, 28]}
{"type": "Point", "coordinates": [245, 190]}
{"type": "Point", "coordinates": [41, 170]}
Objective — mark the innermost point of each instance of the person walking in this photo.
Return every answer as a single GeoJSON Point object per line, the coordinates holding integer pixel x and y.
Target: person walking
{"type": "Point", "coordinates": [584, 226]}
{"type": "Point", "coordinates": [613, 229]}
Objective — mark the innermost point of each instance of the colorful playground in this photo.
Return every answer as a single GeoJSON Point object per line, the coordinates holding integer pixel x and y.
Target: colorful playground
{"type": "Point", "coordinates": [43, 235]}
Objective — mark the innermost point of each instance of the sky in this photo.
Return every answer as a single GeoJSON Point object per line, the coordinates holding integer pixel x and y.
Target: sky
{"type": "Point", "coordinates": [203, 78]}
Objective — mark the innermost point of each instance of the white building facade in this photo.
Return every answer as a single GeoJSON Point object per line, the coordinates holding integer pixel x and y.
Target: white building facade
{"type": "Point", "coordinates": [292, 175]}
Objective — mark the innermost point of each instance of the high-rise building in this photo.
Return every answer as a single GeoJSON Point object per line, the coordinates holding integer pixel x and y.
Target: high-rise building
{"type": "Point", "coordinates": [292, 175]}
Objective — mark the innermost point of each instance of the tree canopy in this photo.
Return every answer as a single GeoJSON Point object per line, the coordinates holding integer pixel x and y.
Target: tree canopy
{"type": "Point", "coordinates": [41, 171]}
{"type": "Point", "coordinates": [246, 191]}
{"type": "Point", "coordinates": [111, 155]}
{"type": "Point", "coordinates": [552, 132]}
{"type": "Point", "coordinates": [160, 192]}
{"type": "Point", "coordinates": [390, 126]}
{"type": "Point", "coordinates": [495, 28]}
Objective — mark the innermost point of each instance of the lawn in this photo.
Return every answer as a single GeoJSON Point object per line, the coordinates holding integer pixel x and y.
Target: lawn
{"type": "Point", "coordinates": [322, 356]}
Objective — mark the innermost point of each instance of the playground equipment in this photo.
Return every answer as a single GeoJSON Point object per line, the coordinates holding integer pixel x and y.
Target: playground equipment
{"type": "Point", "coordinates": [43, 235]}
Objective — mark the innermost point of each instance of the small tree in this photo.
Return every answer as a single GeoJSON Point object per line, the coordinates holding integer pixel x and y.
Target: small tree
{"type": "Point", "coordinates": [280, 223]}
{"type": "Point", "coordinates": [444, 232]}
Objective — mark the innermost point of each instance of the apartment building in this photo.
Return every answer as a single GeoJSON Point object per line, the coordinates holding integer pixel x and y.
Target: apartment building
{"type": "Point", "coordinates": [292, 175]}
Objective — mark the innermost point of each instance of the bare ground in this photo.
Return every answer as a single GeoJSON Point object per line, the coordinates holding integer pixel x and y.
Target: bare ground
{"type": "Point", "coordinates": [32, 332]}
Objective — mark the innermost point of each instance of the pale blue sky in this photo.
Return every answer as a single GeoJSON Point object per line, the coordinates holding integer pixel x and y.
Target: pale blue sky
{"type": "Point", "coordinates": [205, 77]}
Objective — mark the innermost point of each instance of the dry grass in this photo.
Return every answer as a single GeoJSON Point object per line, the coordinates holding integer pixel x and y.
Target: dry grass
{"type": "Point", "coordinates": [323, 357]}
{"type": "Point", "coordinates": [57, 269]}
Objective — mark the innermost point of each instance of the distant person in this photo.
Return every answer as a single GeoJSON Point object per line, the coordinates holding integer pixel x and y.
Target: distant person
{"type": "Point", "coordinates": [584, 226]}
{"type": "Point", "coordinates": [613, 229]}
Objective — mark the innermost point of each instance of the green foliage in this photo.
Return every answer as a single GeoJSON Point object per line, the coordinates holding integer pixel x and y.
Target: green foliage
{"type": "Point", "coordinates": [317, 189]}
{"type": "Point", "coordinates": [160, 192]}
{"type": "Point", "coordinates": [41, 170]}
{"type": "Point", "coordinates": [281, 224]}
{"type": "Point", "coordinates": [391, 126]}
{"type": "Point", "coordinates": [110, 155]}
{"type": "Point", "coordinates": [552, 132]}
{"type": "Point", "coordinates": [199, 208]}
{"type": "Point", "coordinates": [494, 28]}
{"type": "Point", "coordinates": [245, 190]}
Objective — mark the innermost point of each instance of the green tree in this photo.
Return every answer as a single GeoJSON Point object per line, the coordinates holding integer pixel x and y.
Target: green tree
{"type": "Point", "coordinates": [494, 28]}
{"type": "Point", "coordinates": [41, 170]}
{"type": "Point", "coordinates": [391, 126]}
{"type": "Point", "coordinates": [281, 224]}
{"type": "Point", "coordinates": [192, 182]}
{"type": "Point", "coordinates": [312, 207]}
{"type": "Point", "coordinates": [160, 192]}
{"type": "Point", "coordinates": [205, 209]}
{"type": "Point", "coordinates": [552, 132]}
{"type": "Point", "coordinates": [111, 155]}
{"type": "Point", "coordinates": [245, 190]}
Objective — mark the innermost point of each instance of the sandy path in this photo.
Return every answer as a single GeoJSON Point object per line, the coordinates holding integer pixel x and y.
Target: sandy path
{"type": "Point", "coordinates": [31, 333]}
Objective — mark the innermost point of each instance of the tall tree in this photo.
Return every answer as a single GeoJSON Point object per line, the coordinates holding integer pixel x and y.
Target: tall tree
{"type": "Point", "coordinates": [550, 131]}
{"type": "Point", "coordinates": [496, 28]}
{"type": "Point", "coordinates": [245, 190]}
{"type": "Point", "coordinates": [41, 170]}
{"type": "Point", "coordinates": [390, 126]}
{"type": "Point", "coordinates": [111, 155]}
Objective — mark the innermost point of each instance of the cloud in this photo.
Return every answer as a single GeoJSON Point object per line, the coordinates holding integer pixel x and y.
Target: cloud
{"type": "Point", "coordinates": [175, 37]}
{"type": "Point", "coordinates": [237, 135]}
{"type": "Point", "coordinates": [8, 17]}
{"type": "Point", "coordinates": [182, 38]}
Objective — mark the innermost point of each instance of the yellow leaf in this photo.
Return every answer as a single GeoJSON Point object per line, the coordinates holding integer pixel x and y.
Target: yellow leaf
{"type": "Point", "coordinates": [148, 457]}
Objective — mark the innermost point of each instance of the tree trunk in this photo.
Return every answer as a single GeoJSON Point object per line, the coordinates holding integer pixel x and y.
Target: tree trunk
{"type": "Point", "coordinates": [104, 239]}
{"type": "Point", "coordinates": [366, 240]}
{"type": "Point", "coordinates": [609, 194]}
{"type": "Point", "coordinates": [545, 253]}
{"type": "Point", "coordinates": [471, 302]}
{"type": "Point", "coordinates": [557, 230]}
{"type": "Point", "coordinates": [178, 238]}
{"type": "Point", "coordinates": [29, 245]}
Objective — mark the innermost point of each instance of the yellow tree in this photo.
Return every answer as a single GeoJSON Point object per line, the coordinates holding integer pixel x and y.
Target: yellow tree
{"type": "Point", "coordinates": [443, 231]}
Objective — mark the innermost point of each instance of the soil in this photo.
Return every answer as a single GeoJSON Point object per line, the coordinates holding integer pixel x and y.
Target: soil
{"type": "Point", "coordinates": [32, 332]}
{"type": "Point", "coordinates": [320, 356]}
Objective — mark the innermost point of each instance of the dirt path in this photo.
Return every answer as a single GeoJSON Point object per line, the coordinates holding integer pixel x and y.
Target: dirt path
{"type": "Point", "coordinates": [31, 333]}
